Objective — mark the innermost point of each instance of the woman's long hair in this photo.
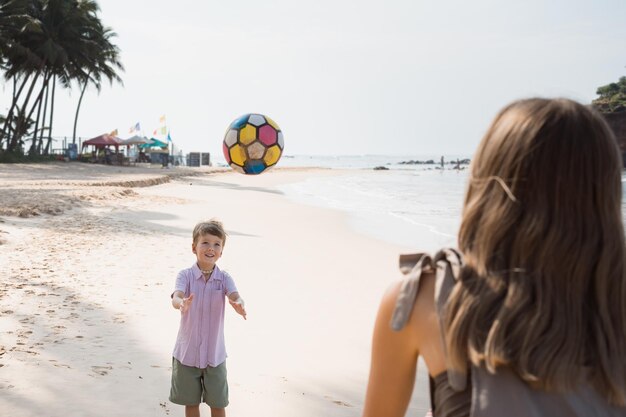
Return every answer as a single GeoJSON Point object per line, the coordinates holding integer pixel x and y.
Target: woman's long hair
{"type": "Point", "coordinates": [543, 290]}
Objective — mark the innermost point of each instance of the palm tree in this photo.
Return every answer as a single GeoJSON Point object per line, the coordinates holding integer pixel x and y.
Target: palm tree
{"type": "Point", "coordinates": [91, 56]}
{"type": "Point", "coordinates": [12, 17]}
{"type": "Point", "coordinates": [16, 59]}
{"type": "Point", "coordinates": [19, 124]}
{"type": "Point", "coordinates": [55, 41]}
{"type": "Point", "coordinates": [103, 63]}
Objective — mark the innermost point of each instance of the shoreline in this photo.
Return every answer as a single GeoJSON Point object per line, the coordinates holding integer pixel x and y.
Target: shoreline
{"type": "Point", "coordinates": [85, 313]}
{"type": "Point", "coordinates": [51, 188]}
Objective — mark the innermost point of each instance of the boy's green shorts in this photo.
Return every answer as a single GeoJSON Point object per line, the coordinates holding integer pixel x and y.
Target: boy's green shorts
{"type": "Point", "coordinates": [191, 386]}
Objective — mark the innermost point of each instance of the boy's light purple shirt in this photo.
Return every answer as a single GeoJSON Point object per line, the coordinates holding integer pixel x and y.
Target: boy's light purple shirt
{"type": "Point", "coordinates": [200, 340]}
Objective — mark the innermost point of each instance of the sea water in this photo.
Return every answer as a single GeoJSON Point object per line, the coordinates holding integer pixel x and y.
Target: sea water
{"type": "Point", "coordinates": [417, 206]}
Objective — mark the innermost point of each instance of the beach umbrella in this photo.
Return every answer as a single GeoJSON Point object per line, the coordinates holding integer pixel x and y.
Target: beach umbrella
{"type": "Point", "coordinates": [154, 143]}
{"type": "Point", "coordinates": [135, 140]}
{"type": "Point", "coordinates": [103, 140]}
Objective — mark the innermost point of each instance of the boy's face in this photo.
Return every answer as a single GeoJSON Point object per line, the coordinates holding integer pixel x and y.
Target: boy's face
{"type": "Point", "coordinates": [208, 250]}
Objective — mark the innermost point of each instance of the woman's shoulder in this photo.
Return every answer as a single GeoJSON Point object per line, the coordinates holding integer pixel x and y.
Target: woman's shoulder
{"type": "Point", "coordinates": [413, 317]}
{"type": "Point", "coordinates": [409, 304]}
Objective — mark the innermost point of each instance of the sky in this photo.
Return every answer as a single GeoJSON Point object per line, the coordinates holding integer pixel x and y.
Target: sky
{"type": "Point", "coordinates": [344, 77]}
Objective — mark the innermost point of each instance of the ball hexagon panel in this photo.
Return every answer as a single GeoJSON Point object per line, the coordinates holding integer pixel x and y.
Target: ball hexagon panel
{"type": "Point", "coordinates": [237, 124]}
{"type": "Point", "coordinates": [231, 138]}
{"type": "Point", "coordinates": [267, 135]}
{"type": "Point", "coordinates": [247, 134]}
{"type": "Point", "coordinates": [256, 120]}
{"type": "Point", "coordinates": [272, 155]}
{"type": "Point", "coordinates": [254, 166]}
{"type": "Point", "coordinates": [226, 153]}
{"type": "Point", "coordinates": [272, 123]}
{"type": "Point", "coordinates": [256, 150]}
{"type": "Point", "coordinates": [238, 168]}
{"type": "Point", "coordinates": [237, 155]}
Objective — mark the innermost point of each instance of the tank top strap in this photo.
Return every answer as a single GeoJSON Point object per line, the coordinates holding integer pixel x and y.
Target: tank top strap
{"type": "Point", "coordinates": [411, 265]}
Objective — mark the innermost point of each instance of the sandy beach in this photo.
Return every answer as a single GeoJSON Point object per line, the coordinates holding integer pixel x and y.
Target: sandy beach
{"type": "Point", "coordinates": [88, 259]}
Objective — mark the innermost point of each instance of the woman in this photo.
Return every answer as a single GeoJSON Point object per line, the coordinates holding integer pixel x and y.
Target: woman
{"type": "Point", "coordinates": [539, 302]}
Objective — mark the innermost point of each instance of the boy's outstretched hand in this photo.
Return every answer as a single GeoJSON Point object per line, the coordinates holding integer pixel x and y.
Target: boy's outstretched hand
{"type": "Point", "coordinates": [186, 303]}
{"type": "Point", "coordinates": [239, 306]}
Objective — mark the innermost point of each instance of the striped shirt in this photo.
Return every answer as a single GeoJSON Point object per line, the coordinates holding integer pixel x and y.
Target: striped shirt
{"type": "Point", "coordinates": [200, 340]}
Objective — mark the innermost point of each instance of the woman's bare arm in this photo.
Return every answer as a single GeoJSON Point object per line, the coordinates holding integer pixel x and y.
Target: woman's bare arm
{"type": "Point", "coordinates": [393, 364]}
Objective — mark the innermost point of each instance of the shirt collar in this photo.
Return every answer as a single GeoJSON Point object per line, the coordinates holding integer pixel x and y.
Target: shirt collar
{"type": "Point", "coordinates": [197, 273]}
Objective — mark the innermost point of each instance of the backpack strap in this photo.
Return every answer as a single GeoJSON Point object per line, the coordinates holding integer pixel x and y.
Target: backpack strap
{"type": "Point", "coordinates": [411, 266]}
{"type": "Point", "coordinates": [448, 263]}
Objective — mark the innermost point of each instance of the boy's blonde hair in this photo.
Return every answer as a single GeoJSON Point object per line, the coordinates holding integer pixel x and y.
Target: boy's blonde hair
{"type": "Point", "coordinates": [210, 227]}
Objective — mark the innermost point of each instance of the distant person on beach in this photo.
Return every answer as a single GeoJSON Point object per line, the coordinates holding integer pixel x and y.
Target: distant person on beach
{"type": "Point", "coordinates": [528, 318]}
{"type": "Point", "coordinates": [199, 359]}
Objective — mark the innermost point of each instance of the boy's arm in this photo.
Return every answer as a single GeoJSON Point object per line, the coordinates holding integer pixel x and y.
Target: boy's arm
{"type": "Point", "coordinates": [236, 301]}
{"type": "Point", "coordinates": [179, 301]}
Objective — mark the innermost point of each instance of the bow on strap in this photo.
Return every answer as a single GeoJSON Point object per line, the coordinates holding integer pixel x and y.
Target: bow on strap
{"type": "Point", "coordinates": [447, 263]}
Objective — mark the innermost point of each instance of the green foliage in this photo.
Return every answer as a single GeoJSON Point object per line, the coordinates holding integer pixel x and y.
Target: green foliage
{"type": "Point", "coordinates": [612, 97]}
{"type": "Point", "coordinates": [17, 157]}
{"type": "Point", "coordinates": [43, 42]}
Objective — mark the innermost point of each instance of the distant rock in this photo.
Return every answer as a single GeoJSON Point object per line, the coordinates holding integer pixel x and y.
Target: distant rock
{"type": "Point", "coordinates": [381, 168]}
{"type": "Point", "coordinates": [431, 162]}
{"type": "Point", "coordinates": [416, 162]}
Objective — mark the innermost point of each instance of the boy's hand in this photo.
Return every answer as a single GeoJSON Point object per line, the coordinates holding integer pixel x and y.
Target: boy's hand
{"type": "Point", "coordinates": [185, 304]}
{"type": "Point", "coordinates": [239, 306]}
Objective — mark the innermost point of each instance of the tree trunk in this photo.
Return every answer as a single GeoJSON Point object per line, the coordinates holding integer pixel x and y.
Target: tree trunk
{"type": "Point", "coordinates": [27, 117]}
{"type": "Point", "coordinates": [45, 111]}
{"type": "Point", "coordinates": [54, 84]}
{"type": "Point", "coordinates": [18, 134]}
{"type": "Point", "coordinates": [10, 113]}
{"type": "Point", "coordinates": [80, 99]}
{"type": "Point", "coordinates": [33, 146]}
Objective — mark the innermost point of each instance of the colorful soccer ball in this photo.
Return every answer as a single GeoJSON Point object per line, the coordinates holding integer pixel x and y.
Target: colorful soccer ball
{"type": "Point", "coordinates": [253, 143]}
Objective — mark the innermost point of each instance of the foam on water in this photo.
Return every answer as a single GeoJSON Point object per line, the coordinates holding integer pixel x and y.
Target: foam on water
{"type": "Point", "coordinates": [407, 207]}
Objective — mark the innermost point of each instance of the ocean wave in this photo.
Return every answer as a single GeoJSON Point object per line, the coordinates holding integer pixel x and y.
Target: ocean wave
{"type": "Point", "coordinates": [430, 227]}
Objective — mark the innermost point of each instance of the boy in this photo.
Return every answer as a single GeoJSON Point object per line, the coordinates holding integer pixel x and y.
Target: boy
{"type": "Point", "coordinates": [198, 363]}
